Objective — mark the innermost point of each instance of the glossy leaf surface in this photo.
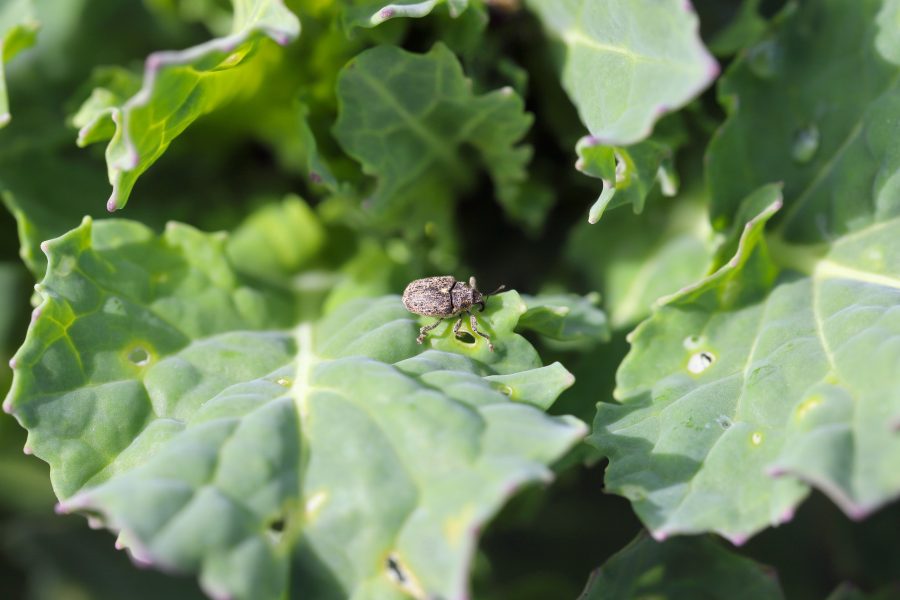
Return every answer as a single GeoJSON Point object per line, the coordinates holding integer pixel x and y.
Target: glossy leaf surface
{"type": "Point", "coordinates": [184, 406]}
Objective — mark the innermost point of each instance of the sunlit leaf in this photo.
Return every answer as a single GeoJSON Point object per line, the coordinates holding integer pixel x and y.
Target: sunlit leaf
{"type": "Point", "coordinates": [179, 87]}
{"type": "Point", "coordinates": [18, 29]}
{"type": "Point", "coordinates": [412, 120]}
{"type": "Point", "coordinates": [744, 389]}
{"type": "Point", "coordinates": [370, 13]}
{"type": "Point", "coordinates": [830, 145]}
{"type": "Point", "coordinates": [626, 62]}
{"type": "Point", "coordinates": [183, 405]}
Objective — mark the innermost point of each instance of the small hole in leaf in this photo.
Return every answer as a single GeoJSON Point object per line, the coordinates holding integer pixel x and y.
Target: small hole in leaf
{"type": "Point", "coordinates": [465, 338]}
{"type": "Point", "coordinates": [139, 356]}
{"type": "Point", "coordinates": [723, 421]}
{"type": "Point", "coordinates": [395, 570]}
{"type": "Point", "coordinates": [691, 342]}
{"type": "Point", "coordinates": [700, 361]}
{"type": "Point", "coordinates": [277, 526]}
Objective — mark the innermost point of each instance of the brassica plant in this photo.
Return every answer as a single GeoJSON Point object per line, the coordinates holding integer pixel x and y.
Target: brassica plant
{"type": "Point", "coordinates": [213, 208]}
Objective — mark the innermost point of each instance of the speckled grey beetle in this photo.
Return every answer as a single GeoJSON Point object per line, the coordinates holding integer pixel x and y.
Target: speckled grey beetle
{"type": "Point", "coordinates": [445, 297]}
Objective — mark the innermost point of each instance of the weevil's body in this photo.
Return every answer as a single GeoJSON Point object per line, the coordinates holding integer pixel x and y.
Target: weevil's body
{"type": "Point", "coordinates": [444, 297]}
{"type": "Point", "coordinates": [440, 297]}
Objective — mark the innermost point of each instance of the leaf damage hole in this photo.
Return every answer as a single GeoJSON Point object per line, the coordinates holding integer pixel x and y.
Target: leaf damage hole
{"type": "Point", "coordinates": [724, 422]}
{"type": "Point", "coordinates": [395, 571]}
{"type": "Point", "coordinates": [465, 337]}
{"type": "Point", "coordinates": [691, 342]}
{"type": "Point", "coordinates": [277, 525]}
{"type": "Point", "coordinates": [139, 357]}
{"type": "Point", "coordinates": [700, 361]}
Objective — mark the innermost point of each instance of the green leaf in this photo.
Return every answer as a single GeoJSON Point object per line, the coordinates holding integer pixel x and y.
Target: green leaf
{"type": "Point", "coordinates": [789, 122]}
{"type": "Point", "coordinates": [182, 404]}
{"type": "Point", "coordinates": [680, 568]}
{"type": "Point", "coordinates": [745, 28]}
{"type": "Point", "coordinates": [627, 62]}
{"type": "Point", "coordinates": [113, 86]}
{"type": "Point", "coordinates": [277, 241]}
{"type": "Point", "coordinates": [18, 29]}
{"type": "Point", "coordinates": [412, 120]}
{"type": "Point", "coordinates": [628, 174]}
{"type": "Point", "coordinates": [371, 13]}
{"type": "Point", "coordinates": [744, 389]}
{"type": "Point", "coordinates": [180, 87]}
{"type": "Point", "coordinates": [645, 267]}
{"type": "Point", "coordinates": [565, 317]}
{"type": "Point", "coordinates": [316, 167]}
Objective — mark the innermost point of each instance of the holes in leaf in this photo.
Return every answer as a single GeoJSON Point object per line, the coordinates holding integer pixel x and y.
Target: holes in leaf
{"type": "Point", "coordinates": [139, 356]}
{"type": "Point", "coordinates": [396, 571]}
{"type": "Point", "coordinates": [277, 526]}
{"type": "Point", "coordinates": [400, 575]}
{"type": "Point", "coordinates": [692, 342]}
{"type": "Point", "coordinates": [724, 422]}
{"type": "Point", "coordinates": [465, 337]}
{"type": "Point", "coordinates": [700, 361]}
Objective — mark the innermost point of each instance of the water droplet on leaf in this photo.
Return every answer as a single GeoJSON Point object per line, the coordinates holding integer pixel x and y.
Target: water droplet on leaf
{"type": "Point", "coordinates": [700, 362]}
{"type": "Point", "coordinates": [763, 59]}
{"type": "Point", "coordinates": [806, 144]}
{"type": "Point", "coordinates": [284, 381]}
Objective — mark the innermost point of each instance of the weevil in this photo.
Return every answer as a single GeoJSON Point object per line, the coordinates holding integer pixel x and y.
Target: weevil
{"type": "Point", "coordinates": [445, 297]}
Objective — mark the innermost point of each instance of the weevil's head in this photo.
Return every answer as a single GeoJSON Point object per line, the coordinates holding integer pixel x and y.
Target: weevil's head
{"type": "Point", "coordinates": [478, 297]}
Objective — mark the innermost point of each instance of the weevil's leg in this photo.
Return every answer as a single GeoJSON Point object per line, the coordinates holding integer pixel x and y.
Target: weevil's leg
{"type": "Point", "coordinates": [474, 323]}
{"type": "Point", "coordinates": [456, 327]}
{"type": "Point", "coordinates": [426, 328]}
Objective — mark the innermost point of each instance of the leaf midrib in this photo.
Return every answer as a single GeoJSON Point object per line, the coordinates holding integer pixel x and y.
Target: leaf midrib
{"type": "Point", "coordinates": [434, 143]}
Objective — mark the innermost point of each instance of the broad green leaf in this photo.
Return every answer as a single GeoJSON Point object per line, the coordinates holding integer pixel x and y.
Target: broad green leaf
{"type": "Point", "coordinates": [645, 267]}
{"type": "Point", "coordinates": [829, 144]}
{"type": "Point", "coordinates": [628, 174]}
{"type": "Point", "coordinates": [565, 317]}
{"type": "Point", "coordinates": [179, 87]}
{"type": "Point", "coordinates": [182, 405]}
{"type": "Point", "coordinates": [370, 13]}
{"type": "Point", "coordinates": [741, 391]}
{"type": "Point", "coordinates": [412, 121]}
{"type": "Point", "coordinates": [18, 29]}
{"type": "Point", "coordinates": [745, 28]}
{"type": "Point", "coordinates": [626, 62]}
{"type": "Point", "coordinates": [277, 241]}
{"type": "Point", "coordinates": [680, 568]}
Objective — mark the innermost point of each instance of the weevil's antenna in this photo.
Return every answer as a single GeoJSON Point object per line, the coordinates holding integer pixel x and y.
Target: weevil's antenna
{"type": "Point", "coordinates": [494, 293]}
